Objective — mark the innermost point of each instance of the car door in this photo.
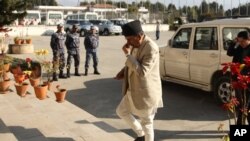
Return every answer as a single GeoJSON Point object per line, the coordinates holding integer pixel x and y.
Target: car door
{"type": "Point", "coordinates": [204, 55]}
{"type": "Point", "coordinates": [177, 55]}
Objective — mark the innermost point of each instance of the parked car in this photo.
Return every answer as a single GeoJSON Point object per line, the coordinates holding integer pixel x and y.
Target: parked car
{"type": "Point", "coordinates": [84, 26]}
{"type": "Point", "coordinates": [106, 27]}
{"type": "Point", "coordinates": [119, 22]}
{"type": "Point", "coordinates": [194, 55]}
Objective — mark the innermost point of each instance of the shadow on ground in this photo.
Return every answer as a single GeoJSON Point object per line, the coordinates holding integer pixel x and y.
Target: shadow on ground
{"type": "Point", "coordinates": [25, 134]}
{"type": "Point", "coordinates": [100, 98]}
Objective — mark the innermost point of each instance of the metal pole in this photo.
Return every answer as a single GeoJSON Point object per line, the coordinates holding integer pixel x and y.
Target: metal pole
{"type": "Point", "coordinates": [127, 11]}
{"type": "Point", "coordinates": [239, 7]}
{"type": "Point", "coordinates": [201, 6]}
{"type": "Point", "coordinates": [224, 8]}
{"type": "Point", "coordinates": [247, 8]}
{"type": "Point", "coordinates": [105, 9]}
{"type": "Point", "coordinates": [231, 9]}
{"type": "Point", "coordinates": [186, 7]}
{"type": "Point", "coordinates": [208, 7]}
{"type": "Point", "coordinates": [120, 9]}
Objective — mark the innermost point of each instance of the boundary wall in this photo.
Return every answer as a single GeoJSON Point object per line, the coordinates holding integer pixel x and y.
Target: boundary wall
{"type": "Point", "coordinates": [48, 30]}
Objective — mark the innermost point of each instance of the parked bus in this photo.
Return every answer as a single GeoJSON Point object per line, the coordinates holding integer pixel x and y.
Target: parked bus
{"type": "Point", "coordinates": [52, 17]}
{"type": "Point", "coordinates": [83, 16]}
{"type": "Point", "coordinates": [33, 17]}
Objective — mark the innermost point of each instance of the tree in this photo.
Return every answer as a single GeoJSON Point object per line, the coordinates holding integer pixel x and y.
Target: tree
{"type": "Point", "coordinates": [7, 11]}
{"type": "Point", "coordinates": [32, 3]}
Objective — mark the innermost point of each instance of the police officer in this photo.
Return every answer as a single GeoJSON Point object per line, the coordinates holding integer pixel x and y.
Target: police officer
{"type": "Point", "coordinates": [73, 43]}
{"type": "Point", "coordinates": [91, 43]}
{"type": "Point", "coordinates": [57, 46]}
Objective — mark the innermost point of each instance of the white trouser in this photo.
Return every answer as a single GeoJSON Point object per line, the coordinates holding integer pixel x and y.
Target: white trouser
{"type": "Point", "coordinates": [143, 128]}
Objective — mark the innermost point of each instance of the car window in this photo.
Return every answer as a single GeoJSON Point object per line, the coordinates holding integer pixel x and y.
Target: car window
{"type": "Point", "coordinates": [206, 38]}
{"type": "Point", "coordinates": [95, 22]}
{"type": "Point", "coordinates": [71, 22]}
{"type": "Point", "coordinates": [85, 23]}
{"type": "Point", "coordinates": [109, 22]}
{"type": "Point", "coordinates": [182, 38]}
{"type": "Point", "coordinates": [229, 34]}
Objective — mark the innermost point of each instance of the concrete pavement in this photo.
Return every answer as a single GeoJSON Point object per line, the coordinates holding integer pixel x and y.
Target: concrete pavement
{"type": "Point", "coordinates": [32, 119]}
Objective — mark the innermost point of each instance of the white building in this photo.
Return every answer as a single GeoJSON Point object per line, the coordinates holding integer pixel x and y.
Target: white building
{"type": "Point", "coordinates": [65, 9]}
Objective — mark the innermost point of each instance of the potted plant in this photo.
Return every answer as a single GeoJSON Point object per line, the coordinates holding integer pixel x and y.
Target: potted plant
{"type": "Point", "coordinates": [4, 67]}
{"type": "Point", "coordinates": [237, 105]}
{"type": "Point", "coordinates": [60, 94]}
{"type": "Point", "coordinates": [17, 40]}
{"type": "Point", "coordinates": [21, 87]}
{"type": "Point", "coordinates": [41, 89]}
{"type": "Point", "coordinates": [4, 79]}
{"type": "Point", "coordinates": [28, 40]}
{"type": "Point", "coordinates": [33, 71]}
{"type": "Point", "coordinates": [47, 66]}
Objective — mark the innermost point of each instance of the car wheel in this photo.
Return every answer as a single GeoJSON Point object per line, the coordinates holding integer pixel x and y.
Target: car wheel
{"type": "Point", "coordinates": [106, 32]}
{"type": "Point", "coordinates": [222, 90]}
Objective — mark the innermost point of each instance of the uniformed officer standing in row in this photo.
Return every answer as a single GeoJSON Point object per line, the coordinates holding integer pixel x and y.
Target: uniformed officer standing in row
{"type": "Point", "coordinates": [73, 43]}
{"type": "Point", "coordinates": [57, 46]}
{"type": "Point", "coordinates": [91, 43]}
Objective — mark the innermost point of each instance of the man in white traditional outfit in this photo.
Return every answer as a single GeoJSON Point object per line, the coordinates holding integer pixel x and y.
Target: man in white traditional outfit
{"type": "Point", "coordinates": [142, 88]}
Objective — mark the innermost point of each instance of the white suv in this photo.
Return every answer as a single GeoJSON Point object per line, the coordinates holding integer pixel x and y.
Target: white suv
{"type": "Point", "coordinates": [106, 27]}
{"type": "Point", "coordinates": [194, 55]}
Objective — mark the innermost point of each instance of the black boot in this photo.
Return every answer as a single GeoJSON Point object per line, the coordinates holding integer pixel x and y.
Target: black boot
{"type": "Point", "coordinates": [55, 77]}
{"type": "Point", "coordinates": [140, 138]}
{"type": "Point", "coordinates": [76, 72]}
{"type": "Point", "coordinates": [68, 73]}
{"type": "Point", "coordinates": [86, 72]}
{"type": "Point", "coordinates": [61, 75]}
{"type": "Point", "coordinates": [96, 71]}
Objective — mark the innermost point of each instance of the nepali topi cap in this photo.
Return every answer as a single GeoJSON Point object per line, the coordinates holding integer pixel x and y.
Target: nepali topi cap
{"type": "Point", "coordinates": [132, 28]}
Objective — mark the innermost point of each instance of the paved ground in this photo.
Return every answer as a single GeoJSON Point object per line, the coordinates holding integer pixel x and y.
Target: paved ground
{"type": "Point", "coordinates": [189, 114]}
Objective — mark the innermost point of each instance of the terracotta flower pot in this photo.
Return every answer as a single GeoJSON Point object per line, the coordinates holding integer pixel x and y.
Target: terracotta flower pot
{"type": "Point", "coordinates": [22, 41]}
{"type": "Point", "coordinates": [49, 83]}
{"type": "Point", "coordinates": [28, 41]}
{"type": "Point", "coordinates": [4, 75]}
{"type": "Point", "coordinates": [60, 95]}
{"type": "Point", "coordinates": [34, 81]}
{"type": "Point", "coordinates": [4, 86]}
{"type": "Point", "coordinates": [6, 67]}
{"type": "Point", "coordinates": [18, 41]}
{"type": "Point", "coordinates": [21, 89]}
{"type": "Point", "coordinates": [41, 91]}
{"type": "Point", "coordinates": [19, 77]}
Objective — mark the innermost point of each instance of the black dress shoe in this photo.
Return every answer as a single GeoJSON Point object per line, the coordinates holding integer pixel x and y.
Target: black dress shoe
{"type": "Point", "coordinates": [63, 76]}
{"type": "Point", "coordinates": [55, 79]}
{"type": "Point", "coordinates": [140, 138]}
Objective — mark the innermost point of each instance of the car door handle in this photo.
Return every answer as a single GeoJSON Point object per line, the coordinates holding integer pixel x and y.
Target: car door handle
{"type": "Point", "coordinates": [213, 55]}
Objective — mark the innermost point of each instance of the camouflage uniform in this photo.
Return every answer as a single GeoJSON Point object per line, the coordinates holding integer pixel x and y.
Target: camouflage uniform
{"type": "Point", "coordinates": [57, 46]}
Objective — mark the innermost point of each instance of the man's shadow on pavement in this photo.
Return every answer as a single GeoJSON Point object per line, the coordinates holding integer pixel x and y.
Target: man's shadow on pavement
{"type": "Point", "coordinates": [101, 97]}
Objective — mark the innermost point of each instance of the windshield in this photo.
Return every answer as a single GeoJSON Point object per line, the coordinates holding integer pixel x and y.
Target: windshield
{"type": "Point", "coordinates": [55, 16]}
{"type": "Point", "coordinates": [32, 16]}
